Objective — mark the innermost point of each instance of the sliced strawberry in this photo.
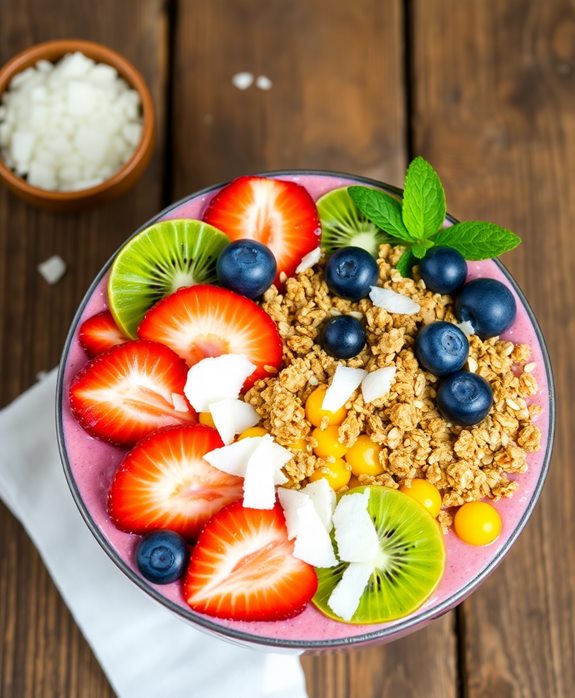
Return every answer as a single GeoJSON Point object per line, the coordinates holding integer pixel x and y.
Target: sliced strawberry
{"type": "Point", "coordinates": [280, 214]}
{"type": "Point", "coordinates": [100, 333]}
{"type": "Point", "coordinates": [130, 391]}
{"type": "Point", "coordinates": [164, 482]}
{"type": "Point", "coordinates": [201, 321]}
{"type": "Point", "coordinates": [242, 568]}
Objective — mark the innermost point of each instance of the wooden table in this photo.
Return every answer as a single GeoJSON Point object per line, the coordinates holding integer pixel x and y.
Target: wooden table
{"type": "Point", "coordinates": [485, 89]}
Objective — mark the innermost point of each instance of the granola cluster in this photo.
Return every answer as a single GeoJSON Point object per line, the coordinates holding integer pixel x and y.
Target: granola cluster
{"type": "Point", "coordinates": [465, 464]}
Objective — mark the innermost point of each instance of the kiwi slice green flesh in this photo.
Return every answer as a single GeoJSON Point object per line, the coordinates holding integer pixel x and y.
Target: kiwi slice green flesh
{"type": "Point", "coordinates": [158, 261]}
{"type": "Point", "coordinates": [410, 564]}
{"type": "Point", "coordinates": [343, 224]}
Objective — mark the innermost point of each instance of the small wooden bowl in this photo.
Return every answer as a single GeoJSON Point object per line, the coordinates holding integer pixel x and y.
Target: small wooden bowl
{"type": "Point", "coordinates": [129, 173]}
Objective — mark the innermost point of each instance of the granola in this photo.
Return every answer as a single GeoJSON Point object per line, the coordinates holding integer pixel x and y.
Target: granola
{"type": "Point", "coordinates": [465, 464]}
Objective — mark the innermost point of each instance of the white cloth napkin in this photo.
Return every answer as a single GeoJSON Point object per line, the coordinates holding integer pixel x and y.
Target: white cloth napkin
{"type": "Point", "coordinates": [146, 651]}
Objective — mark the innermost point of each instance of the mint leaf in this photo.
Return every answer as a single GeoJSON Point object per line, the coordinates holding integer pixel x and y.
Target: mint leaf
{"type": "Point", "coordinates": [420, 248]}
{"type": "Point", "coordinates": [381, 209]}
{"type": "Point", "coordinates": [406, 263]}
{"type": "Point", "coordinates": [423, 208]}
{"type": "Point", "coordinates": [478, 240]}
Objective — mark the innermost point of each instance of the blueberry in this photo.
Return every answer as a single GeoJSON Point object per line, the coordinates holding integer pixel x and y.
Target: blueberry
{"type": "Point", "coordinates": [488, 305]}
{"type": "Point", "coordinates": [464, 398]}
{"type": "Point", "coordinates": [350, 272]}
{"type": "Point", "coordinates": [246, 267]}
{"type": "Point", "coordinates": [161, 556]}
{"type": "Point", "coordinates": [441, 348]}
{"type": "Point", "coordinates": [342, 337]}
{"type": "Point", "coordinates": [443, 269]}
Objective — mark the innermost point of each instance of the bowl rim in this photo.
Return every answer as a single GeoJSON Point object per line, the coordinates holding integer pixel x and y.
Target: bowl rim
{"type": "Point", "coordinates": [388, 632]}
{"type": "Point", "coordinates": [127, 71]}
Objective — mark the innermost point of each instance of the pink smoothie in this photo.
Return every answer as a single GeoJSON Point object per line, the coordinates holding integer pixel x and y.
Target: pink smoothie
{"type": "Point", "coordinates": [90, 465]}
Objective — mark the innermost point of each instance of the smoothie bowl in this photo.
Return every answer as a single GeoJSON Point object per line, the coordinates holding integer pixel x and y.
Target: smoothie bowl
{"type": "Point", "coordinates": [294, 414]}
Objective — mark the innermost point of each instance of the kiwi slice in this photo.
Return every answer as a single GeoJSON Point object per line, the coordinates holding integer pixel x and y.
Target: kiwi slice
{"type": "Point", "coordinates": [343, 224]}
{"type": "Point", "coordinates": [410, 564]}
{"type": "Point", "coordinates": [158, 261]}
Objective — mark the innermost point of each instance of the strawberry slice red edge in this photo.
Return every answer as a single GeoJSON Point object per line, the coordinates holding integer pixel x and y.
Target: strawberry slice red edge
{"type": "Point", "coordinates": [188, 321]}
{"type": "Point", "coordinates": [100, 333]}
{"type": "Point", "coordinates": [242, 568]}
{"type": "Point", "coordinates": [171, 460]}
{"type": "Point", "coordinates": [112, 423]}
{"type": "Point", "coordinates": [276, 212]}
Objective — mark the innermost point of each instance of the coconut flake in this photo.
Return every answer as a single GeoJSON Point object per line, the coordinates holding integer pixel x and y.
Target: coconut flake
{"type": "Point", "coordinates": [216, 378]}
{"type": "Point", "coordinates": [180, 403]}
{"type": "Point", "coordinates": [345, 597]}
{"type": "Point", "coordinates": [242, 80]}
{"type": "Point", "coordinates": [309, 260]}
{"type": "Point", "coordinates": [324, 500]}
{"type": "Point", "coordinates": [233, 459]}
{"type": "Point", "coordinates": [355, 534]}
{"type": "Point", "coordinates": [52, 269]}
{"type": "Point", "coordinates": [467, 328]}
{"type": "Point", "coordinates": [263, 82]}
{"type": "Point", "coordinates": [259, 486]}
{"type": "Point", "coordinates": [393, 302]}
{"type": "Point", "coordinates": [231, 417]}
{"type": "Point", "coordinates": [344, 383]}
{"type": "Point", "coordinates": [377, 383]}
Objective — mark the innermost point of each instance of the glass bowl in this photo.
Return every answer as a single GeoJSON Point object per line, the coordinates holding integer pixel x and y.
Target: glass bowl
{"type": "Point", "coordinates": [89, 465]}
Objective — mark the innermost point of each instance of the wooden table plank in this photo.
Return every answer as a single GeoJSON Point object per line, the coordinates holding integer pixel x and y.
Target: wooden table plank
{"type": "Point", "coordinates": [42, 653]}
{"type": "Point", "coordinates": [495, 111]}
{"type": "Point", "coordinates": [337, 102]}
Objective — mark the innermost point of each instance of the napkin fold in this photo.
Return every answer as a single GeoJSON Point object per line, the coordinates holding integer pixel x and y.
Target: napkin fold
{"type": "Point", "coordinates": [144, 649]}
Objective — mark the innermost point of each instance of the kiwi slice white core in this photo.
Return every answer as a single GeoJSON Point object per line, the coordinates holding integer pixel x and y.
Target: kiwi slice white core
{"type": "Point", "coordinates": [409, 564]}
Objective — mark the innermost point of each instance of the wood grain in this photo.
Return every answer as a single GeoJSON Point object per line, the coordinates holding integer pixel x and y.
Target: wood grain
{"type": "Point", "coordinates": [494, 109]}
{"type": "Point", "coordinates": [42, 653]}
{"type": "Point", "coordinates": [337, 102]}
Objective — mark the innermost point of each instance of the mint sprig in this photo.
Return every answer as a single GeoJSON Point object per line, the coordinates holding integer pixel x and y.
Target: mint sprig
{"type": "Point", "coordinates": [416, 222]}
{"type": "Point", "coordinates": [423, 205]}
{"type": "Point", "coordinates": [382, 210]}
{"type": "Point", "coordinates": [478, 240]}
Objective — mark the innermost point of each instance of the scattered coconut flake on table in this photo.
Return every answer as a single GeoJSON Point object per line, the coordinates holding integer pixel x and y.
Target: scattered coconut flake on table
{"type": "Point", "coordinates": [393, 302]}
{"type": "Point", "coordinates": [345, 597]}
{"type": "Point", "coordinates": [242, 80]}
{"type": "Point", "coordinates": [52, 269]}
{"type": "Point", "coordinates": [309, 260]}
{"type": "Point", "coordinates": [263, 82]}
{"type": "Point", "coordinates": [377, 383]}
{"type": "Point", "coordinates": [231, 417]}
{"type": "Point", "coordinates": [69, 125]}
{"type": "Point", "coordinates": [467, 328]}
{"type": "Point", "coordinates": [216, 378]}
{"type": "Point", "coordinates": [344, 383]}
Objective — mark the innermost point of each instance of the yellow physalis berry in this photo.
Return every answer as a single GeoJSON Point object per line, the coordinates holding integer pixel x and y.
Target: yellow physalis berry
{"type": "Point", "coordinates": [315, 413]}
{"type": "Point", "coordinates": [477, 523]}
{"type": "Point", "coordinates": [363, 457]}
{"type": "Point", "coordinates": [327, 443]}
{"type": "Point", "coordinates": [299, 445]}
{"type": "Point", "coordinates": [206, 419]}
{"type": "Point", "coordinates": [425, 493]}
{"type": "Point", "coordinates": [335, 470]}
{"type": "Point", "coordinates": [252, 431]}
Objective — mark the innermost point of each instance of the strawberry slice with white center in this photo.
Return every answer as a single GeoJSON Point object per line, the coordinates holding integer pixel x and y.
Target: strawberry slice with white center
{"type": "Point", "coordinates": [202, 321]}
{"type": "Point", "coordinates": [164, 482]}
{"type": "Point", "coordinates": [242, 568]}
{"type": "Point", "coordinates": [128, 392]}
{"type": "Point", "coordinates": [100, 333]}
{"type": "Point", "coordinates": [279, 214]}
